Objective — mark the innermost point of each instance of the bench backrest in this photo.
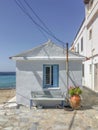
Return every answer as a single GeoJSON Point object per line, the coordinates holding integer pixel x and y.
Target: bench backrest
{"type": "Point", "coordinates": [47, 93]}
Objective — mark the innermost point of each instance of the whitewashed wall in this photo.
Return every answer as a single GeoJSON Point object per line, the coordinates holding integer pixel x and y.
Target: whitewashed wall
{"type": "Point", "coordinates": [90, 45]}
{"type": "Point", "coordinates": [29, 77]}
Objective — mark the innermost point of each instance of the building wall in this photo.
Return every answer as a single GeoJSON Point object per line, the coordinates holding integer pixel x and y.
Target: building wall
{"type": "Point", "coordinates": [30, 77]}
{"type": "Point", "coordinates": [90, 44]}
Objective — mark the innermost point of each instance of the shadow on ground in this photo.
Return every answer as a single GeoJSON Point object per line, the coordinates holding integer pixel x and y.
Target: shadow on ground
{"type": "Point", "coordinates": [89, 101]}
{"type": "Point", "coordinates": [89, 98]}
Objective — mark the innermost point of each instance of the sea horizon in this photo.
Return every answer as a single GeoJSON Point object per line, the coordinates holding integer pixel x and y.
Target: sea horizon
{"type": "Point", "coordinates": [7, 79]}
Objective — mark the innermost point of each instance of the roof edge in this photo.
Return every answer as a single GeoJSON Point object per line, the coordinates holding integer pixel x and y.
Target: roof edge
{"type": "Point", "coordinates": [86, 1]}
{"type": "Point", "coordinates": [47, 58]}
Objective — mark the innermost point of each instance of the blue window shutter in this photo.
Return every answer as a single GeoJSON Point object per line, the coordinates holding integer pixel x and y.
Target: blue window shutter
{"type": "Point", "coordinates": [44, 76]}
{"type": "Point", "coordinates": [55, 75]}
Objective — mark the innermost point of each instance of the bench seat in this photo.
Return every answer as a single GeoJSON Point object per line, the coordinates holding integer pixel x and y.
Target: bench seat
{"type": "Point", "coordinates": [47, 95]}
{"type": "Point", "coordinates": [48, 99]}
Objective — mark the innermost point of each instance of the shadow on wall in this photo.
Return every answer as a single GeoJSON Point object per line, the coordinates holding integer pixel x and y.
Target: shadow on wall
{"type": "Point", "coordinates": [38, 78]}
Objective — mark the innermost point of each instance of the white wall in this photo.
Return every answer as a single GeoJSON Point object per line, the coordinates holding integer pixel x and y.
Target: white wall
{"type": "Point", "coordinates": [29, 77]}
{"type": "Point", "coordinates": [95, 36]}
{"type": "Point", "coordinates": [90, 45]}
{"type": "Point", "coordinates": [82, 33]}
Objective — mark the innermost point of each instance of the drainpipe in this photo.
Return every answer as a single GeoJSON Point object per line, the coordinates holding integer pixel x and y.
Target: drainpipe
{"type": "Point", "coordinates": [92, 72]}
{"type": "Point", "coordinates": [67, 69]}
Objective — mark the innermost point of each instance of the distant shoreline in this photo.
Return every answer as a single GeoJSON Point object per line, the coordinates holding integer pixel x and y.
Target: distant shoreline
{"type": "Point", "coordinates": [2, 88]}
{"type": "Point", "coordinates": [7, 80]}
{"type": "Point", "coordinates": [7, 73]}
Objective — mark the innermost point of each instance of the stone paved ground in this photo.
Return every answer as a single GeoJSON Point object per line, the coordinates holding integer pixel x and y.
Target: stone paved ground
{"type": "Point", "coordinates": [90, 98]}
{"type": "Point", "coordinates": [52, 119]}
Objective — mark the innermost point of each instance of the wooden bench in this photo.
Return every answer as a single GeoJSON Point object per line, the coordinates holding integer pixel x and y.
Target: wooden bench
{"type": "Point", "coordinates": [47, 95]}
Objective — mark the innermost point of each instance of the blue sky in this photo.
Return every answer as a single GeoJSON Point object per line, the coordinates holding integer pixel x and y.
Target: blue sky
{"type": "Point", "coordinates": [18, 33]}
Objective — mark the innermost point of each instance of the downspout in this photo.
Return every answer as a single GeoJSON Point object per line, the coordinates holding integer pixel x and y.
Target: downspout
{"type": "Point", "coordinates": [67, 70]}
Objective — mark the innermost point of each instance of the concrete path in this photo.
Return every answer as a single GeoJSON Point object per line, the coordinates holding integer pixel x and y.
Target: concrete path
{"type": "Point", "coordinates": [52, 119]}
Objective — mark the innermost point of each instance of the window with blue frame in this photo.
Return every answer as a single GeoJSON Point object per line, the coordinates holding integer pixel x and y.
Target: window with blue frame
{"type": "Point", "coordinates": [50, 76]}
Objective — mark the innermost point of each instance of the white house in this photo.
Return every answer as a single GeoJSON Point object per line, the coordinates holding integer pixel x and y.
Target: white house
{"type": "Point", "coordinates": [43, 69]}
{"type": "Point", "coordinates": [86, 44]}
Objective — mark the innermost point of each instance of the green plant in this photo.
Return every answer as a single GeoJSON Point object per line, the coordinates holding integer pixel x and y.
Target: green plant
{"type": "Point", "coordinates": [75, 91]}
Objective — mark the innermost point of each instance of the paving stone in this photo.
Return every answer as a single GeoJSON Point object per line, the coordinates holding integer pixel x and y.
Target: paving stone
{"type": "Point", "coordinates": [89, 128]}
{"type": "Point", "coordinates": [8, 128]}
{"type": "Point", "coordinates": [60, 127]}
{"type": "Point", "coordinates": [96, 117]}
{"type": "Point", "coordinates": [3, 120]}
{"type": "Point", "coordinates": [77, 128]}
{"type": "Point", "coordinates": [2, 112]}
{"type": "Point", "coordinates": [51, 119]}
{"type": "Point", "coordinates": [34, 126]}
{"type": "Point", "coordinates": [95, 107]}
{"type": "Point", "coordinates": [16, 128]}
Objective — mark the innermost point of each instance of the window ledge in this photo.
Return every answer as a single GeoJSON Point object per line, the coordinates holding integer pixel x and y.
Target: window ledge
{"type": "Point", "coordinates": [56, 88]}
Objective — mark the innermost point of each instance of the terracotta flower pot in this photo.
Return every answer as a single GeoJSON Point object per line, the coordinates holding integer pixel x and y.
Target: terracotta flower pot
{"type": "Point", "coordinates": [75, 101]}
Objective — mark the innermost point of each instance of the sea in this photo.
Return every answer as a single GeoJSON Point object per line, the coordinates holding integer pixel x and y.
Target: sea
{"type": "Point", "coordinates": [7, 80]}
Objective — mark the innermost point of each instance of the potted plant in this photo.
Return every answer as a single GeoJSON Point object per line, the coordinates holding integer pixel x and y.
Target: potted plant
{"type": "Point", "coordinates": [75, 99]}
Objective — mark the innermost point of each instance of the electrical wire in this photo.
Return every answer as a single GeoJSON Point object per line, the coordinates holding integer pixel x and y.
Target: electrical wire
{"type": "Point", "coordinates": [51, 33]}
{"type": "Point", "coordinates": [21, 6]}
{"type": "Point", "coordinates": [37, 16]}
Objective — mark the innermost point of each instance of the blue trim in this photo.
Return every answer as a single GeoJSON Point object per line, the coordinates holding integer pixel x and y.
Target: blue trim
{"type": "Point", "coordinates": [55, 76]}
{"type": "Point", "coordinates": [44, 76]}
